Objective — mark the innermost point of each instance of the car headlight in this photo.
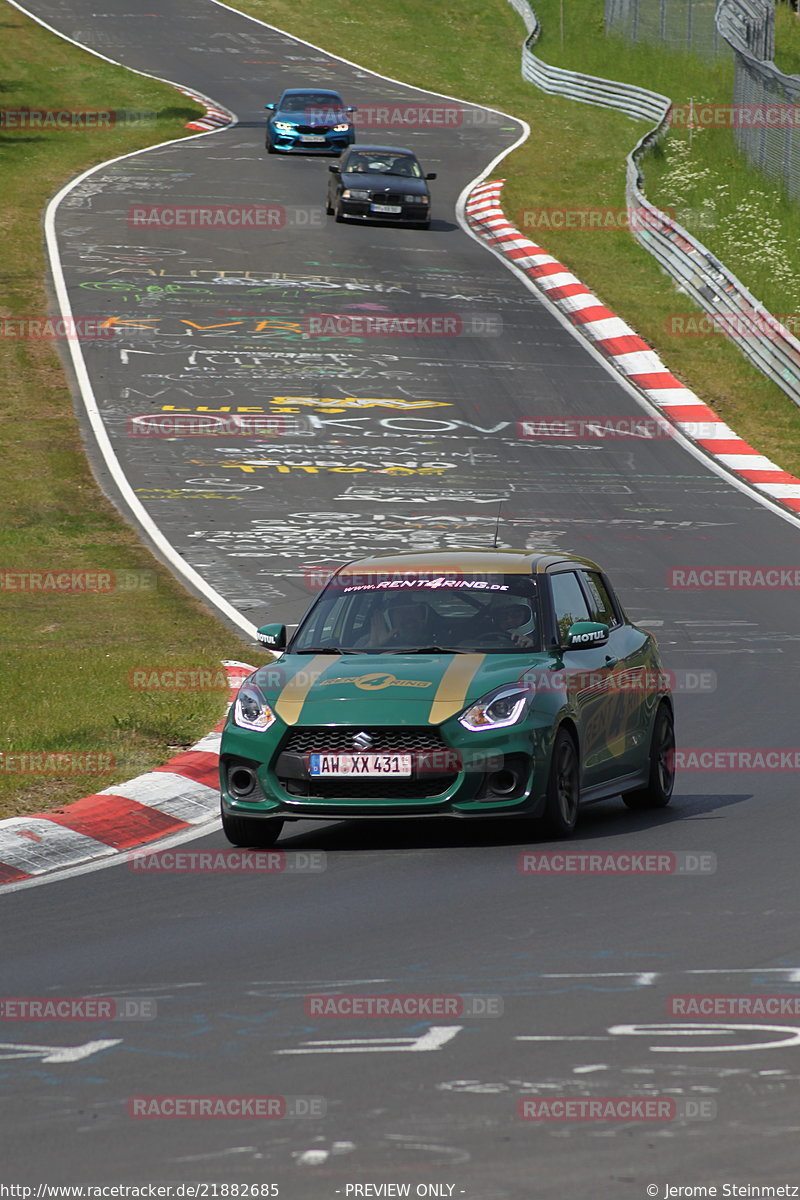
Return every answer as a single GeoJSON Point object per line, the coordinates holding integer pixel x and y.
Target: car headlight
{"type": "Point", "coordinates": [251, 711]}
{"type": "Point", "coordinates": [415, 199]}
{"type": "Point", "coordinates": [341, 128]}
{"type": "Point", "coordinates": [284, 126]}
{"type": "Point", "coordinates": [355, 194]}
{"type": "Point", "coordinates": [502, 707]}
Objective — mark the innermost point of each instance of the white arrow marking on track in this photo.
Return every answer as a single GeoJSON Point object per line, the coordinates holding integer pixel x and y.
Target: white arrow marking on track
{"type": "Point", "coordinates": [56, 1054]}
{"type": "Point", "coordinates": [434, 1039]}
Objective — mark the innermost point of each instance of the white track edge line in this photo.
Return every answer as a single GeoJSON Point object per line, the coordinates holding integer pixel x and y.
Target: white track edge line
{"type": "Point", "coordinates": [140, 514]}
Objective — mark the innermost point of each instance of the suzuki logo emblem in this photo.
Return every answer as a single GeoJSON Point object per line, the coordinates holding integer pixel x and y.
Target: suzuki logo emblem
{"type": "Point", "coordinates": [362, 741]}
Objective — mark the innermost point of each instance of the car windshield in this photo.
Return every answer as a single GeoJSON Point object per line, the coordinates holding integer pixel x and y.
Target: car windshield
{"type": "Point", "coordinates": [405, 613]}
{"type": "Point", "coordinates": [383, 164]}
{"type": "Point", "coordinates": [316, 102]}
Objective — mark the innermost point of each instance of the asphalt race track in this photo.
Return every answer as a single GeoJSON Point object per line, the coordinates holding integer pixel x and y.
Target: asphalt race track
{"type": "Point", "coordinates": [395, 443]}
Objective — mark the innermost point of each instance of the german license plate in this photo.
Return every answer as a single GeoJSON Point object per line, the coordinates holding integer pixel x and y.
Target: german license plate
{"type": "Point", "coordinates": [387, 208]}
{"type": "Point", "coordinates": [370, 766]}
{"type": "Point", "coordinates": [312, 137]}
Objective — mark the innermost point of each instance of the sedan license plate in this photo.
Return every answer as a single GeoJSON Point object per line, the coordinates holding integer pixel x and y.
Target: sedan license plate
{"type": "Point", "coordinates": [312, 137]}
{"type": "Point", "coordinates": [370, 766]}
{"type": "Point", "coordinates": [387, 208]}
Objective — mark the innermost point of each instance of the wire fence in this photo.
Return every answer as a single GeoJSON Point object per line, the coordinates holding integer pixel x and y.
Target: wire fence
{"type": "Point", "coordinates": [681, 24]}
{"type": "Point", "coordinates": [734, 309]}
{"type": "Point", "coordinates": [766, 103]}
{"type": "Point", "coordinates": [765, 107]}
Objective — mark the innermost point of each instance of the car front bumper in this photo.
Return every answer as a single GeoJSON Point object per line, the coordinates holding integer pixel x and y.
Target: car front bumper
{"type": "Point", "coordinates": [334, 143]}
{"type": "Point", "coordinates": [463, 781]}
{"type": "Point", "coordinates": [361, 210]}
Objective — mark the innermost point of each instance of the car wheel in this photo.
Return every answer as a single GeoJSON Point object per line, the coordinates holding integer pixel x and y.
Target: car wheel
{"type": "Point", "coordinates": [329, 208]}
{"type": "Point", "coordinates": [661, 781]}
{"type": "Point", "coordinates": [563, 787]}
{"type": "Point", "coordinates": [338, 214]}
{"type": "Point", "coordinates": [424, 225]}
{"type": "Point", "coordinates": [244, 831]}
{"type": "Point", "coordinates": [270, 148]}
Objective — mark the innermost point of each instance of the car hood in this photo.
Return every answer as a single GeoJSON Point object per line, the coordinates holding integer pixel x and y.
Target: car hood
{"type": "Point", "coordinates": [383, 689]}
{"type": "Point", "coordinates": [380, 183]}
{"type": "Point", "coordinates": [303, 118]}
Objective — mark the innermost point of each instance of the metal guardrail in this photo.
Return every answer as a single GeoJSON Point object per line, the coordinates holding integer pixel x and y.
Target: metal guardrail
{"type": "Point", "coordinates": [734, 310]}
{"type": "Point", "coordinates": [588, 89]}
{"type": "Point", "coordinates": [748, 25]}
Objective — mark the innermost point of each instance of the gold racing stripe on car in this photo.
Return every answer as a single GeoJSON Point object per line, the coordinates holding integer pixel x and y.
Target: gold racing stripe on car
{"type": "Point", "coordinates": [452, 690]}
{"type": "Point", "coordinates": [293, 697]}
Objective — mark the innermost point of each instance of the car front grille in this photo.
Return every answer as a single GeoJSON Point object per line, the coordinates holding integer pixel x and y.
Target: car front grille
{"type": "Point", "coordinates": [432, 776]}
{"type": "Point", "coordinates": [387, 197]}
{"type": "Point", "coordinates": [327, 739]}
{"type": "Point", "coordinates": [313, 128]}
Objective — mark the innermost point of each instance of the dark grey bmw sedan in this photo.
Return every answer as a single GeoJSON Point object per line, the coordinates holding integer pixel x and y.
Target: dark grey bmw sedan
{"type": "Point", "coordinates": [380, 183]}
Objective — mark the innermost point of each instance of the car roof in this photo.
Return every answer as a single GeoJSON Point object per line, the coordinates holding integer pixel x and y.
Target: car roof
{"type": "Point", "coordinates": [493, 562]}
{"type": "Point", "coordinates": [306, 91]}
{"type": "Point", "coordinates": [381, 149]}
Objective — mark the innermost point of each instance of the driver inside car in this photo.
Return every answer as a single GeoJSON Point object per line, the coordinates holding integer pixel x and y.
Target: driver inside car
{"type": "Point", "coordinates": [516, 621]}
{"type": "Point", "coordinates": [398, 622]}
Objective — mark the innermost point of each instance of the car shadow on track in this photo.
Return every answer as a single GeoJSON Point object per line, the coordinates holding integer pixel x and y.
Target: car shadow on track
{"type": "Point", "coordinates": [436, 225]}
{"type": "Point", "coordinates": [609, 819]}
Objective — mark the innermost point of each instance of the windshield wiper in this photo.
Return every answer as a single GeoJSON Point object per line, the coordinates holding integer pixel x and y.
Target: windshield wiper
{"type": "Point", "coordinates": [434, 650]}
{"type": "Point", "coordinates": [323, 650]}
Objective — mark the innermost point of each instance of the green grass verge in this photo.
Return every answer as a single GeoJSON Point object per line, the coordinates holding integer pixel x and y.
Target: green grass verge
{"type": "Point", "coordinates": [787, 39]}
{"type": "Point", "coordinates": [68, 657]}
{"type": "Point", "coordinates": [574, 159]}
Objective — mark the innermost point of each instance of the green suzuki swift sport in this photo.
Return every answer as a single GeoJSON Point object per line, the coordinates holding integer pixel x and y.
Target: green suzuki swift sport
{"type": "Point", "coordinates": [481, 683]}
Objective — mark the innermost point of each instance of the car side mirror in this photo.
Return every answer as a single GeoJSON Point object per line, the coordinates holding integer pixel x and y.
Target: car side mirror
{"type": "Point", "coordinates": [351, 108]}
{"type": "Point", "coordinates": [270, 107]}
{"type": "Point", "coordinates": [334, 169]}
{"type": "Point", "coordinates": [431, 175]}
{"type": "Point", "coordinates": [272, 636]}
{"type": "Point", "coordinates": [585, 634]}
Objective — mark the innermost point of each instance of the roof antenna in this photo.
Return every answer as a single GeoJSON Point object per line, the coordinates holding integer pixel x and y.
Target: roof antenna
{"type": "Point", "coordinates": [497, 524]}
